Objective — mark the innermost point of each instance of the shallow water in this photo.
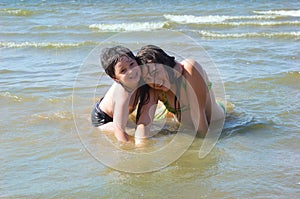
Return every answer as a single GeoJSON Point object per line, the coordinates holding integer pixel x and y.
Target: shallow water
{"type": "Point", "coordinates": [50, 81]}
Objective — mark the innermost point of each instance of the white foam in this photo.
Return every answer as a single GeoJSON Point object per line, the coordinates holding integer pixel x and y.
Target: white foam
{"type": "Point", "coordinates": [185, 19]}
{"type": "Point", "coordinates": [137, 26]}
{"type": "Point", "coordinates": [40, 44]}
{"type": "Point", "coordinates": [292, 13]}
{"type": "Point", "coordinates": [246, 35]}
{"type": "Point", "coordinates": [16, 12]}
{"type": "Point", "coordinates": [262, 23]}
{"type": "Point", "coordinates": [11, 96]}
{"type": "Point", "coordinates": [195, 19]}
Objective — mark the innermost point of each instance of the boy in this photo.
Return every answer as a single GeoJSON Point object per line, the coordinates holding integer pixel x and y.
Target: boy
{"type": "Point", "coordinates": [111, 112]}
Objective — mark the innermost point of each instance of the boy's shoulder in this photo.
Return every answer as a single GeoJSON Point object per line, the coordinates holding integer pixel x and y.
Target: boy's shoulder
{"type": "Point", "coordinates": [118, 91]}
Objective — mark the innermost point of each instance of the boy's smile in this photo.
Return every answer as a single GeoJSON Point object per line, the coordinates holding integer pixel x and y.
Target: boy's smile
{"type": "Point", "coordinates": [127, 71]}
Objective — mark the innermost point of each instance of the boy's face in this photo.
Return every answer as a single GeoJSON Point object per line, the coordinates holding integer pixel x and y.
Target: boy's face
{"type": "Point", "coordinates": [156, 76]}
{"type": "Point", "coordinates": [127, 71]}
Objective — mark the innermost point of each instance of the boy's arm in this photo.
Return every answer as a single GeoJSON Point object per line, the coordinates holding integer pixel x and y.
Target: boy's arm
{"type": "Point", "coordinates": [121, 112]}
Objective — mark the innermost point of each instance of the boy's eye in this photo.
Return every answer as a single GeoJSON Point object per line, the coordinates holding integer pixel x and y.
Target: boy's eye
{"type": "Point", "coordinates": [123, 70]}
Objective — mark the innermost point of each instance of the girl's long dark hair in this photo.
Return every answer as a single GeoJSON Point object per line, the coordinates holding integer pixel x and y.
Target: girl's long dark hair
{"type": "Point", "coordinates": [143, 97]}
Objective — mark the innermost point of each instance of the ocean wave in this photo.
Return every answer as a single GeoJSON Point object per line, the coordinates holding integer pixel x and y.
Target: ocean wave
{"type": "Point", "coordinates": [256, 23]}
{"type": "Point", "coordinates": [24, 98]}
{"type": "Point", "coordinates": [59, 27]}
{"type": "Point", "coordinates": [59, 115]}
{"type": "Point", "coordinates": [249, 35]}
{"type": "Point", "coordinates": [44, 44]}
{"type": "Point", "coordinates": [238, 119]}
{"type": "Point", "coordinates": [6, 71]}
{"type": "Point", "coordinates": [59, 100]}
{"type": "Point", "coordinates": [292, 13]}
{"type": "Point", "coordinates": [186, 19]}
{"type": "Point", "coordinates": [239, 123]}
{"type": "Point", "coordinates": [289, 78]}
{"type": "Point", "coordinates": [137, 26]}
{"type": "Point", "coordinates": [265, 23]}
{"type": "Point", "coordinates": [16, 12]}
{"type": "Point", "coordinates": [10, 96]}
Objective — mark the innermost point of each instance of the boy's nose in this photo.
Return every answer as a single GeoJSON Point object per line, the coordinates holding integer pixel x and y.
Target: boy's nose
{"type": "Point", "coordinates": [130, 71]}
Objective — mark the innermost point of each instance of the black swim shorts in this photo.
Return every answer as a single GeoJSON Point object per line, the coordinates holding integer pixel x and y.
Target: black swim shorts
{"type": "Point", "coordinates": [99, 117]}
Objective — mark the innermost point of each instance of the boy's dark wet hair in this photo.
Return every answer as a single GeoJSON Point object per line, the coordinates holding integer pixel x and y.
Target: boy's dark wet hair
{"type": "Point", "coordinates": [110, 57]}
{"type": "Point", "coordinates": [154, 54]}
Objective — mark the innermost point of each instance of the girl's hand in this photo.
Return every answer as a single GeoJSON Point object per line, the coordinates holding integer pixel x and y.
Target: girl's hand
{"type": "Point", "coordinates": [139, 142]}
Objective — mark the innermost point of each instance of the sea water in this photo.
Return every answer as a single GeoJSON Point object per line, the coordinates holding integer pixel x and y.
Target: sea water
{"type": "Point", "coordinates": [48, 89]}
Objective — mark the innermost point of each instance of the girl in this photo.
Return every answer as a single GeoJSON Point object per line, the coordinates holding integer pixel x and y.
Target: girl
{"type": "Point", "coordinates": [185, 90]}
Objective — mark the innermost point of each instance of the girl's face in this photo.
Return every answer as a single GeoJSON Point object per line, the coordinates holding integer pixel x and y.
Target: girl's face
{"type": "Point", "coordinates": [127, 72]}
{"type": "Point", "coordinates": [156, 76]}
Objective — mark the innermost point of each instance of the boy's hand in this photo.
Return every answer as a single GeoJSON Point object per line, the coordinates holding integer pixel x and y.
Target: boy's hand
{"type": "Point", "coordinates": [121, 135]}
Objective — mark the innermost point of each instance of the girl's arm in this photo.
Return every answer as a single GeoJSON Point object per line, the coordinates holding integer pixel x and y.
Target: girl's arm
{"type": "Point", "coordinates": [146, 117]}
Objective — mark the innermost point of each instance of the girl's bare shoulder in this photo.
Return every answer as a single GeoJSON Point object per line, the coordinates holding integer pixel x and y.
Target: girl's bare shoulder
{"type": "Point", "coordinates": [189, 65]}
{"type": "Point", "coordinates": [192, 66]}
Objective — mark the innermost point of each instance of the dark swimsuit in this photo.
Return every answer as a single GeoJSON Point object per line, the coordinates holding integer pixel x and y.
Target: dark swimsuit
{"type": "Point", "coordinates": [99, 117]}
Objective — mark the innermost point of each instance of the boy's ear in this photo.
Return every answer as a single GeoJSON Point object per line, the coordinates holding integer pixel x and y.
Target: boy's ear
{"type": "Point", "coordinates": [116, 80]}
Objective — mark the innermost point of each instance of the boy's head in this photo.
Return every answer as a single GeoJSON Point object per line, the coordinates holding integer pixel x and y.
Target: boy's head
{"type": "Point", "coordinates": [111, 56]}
